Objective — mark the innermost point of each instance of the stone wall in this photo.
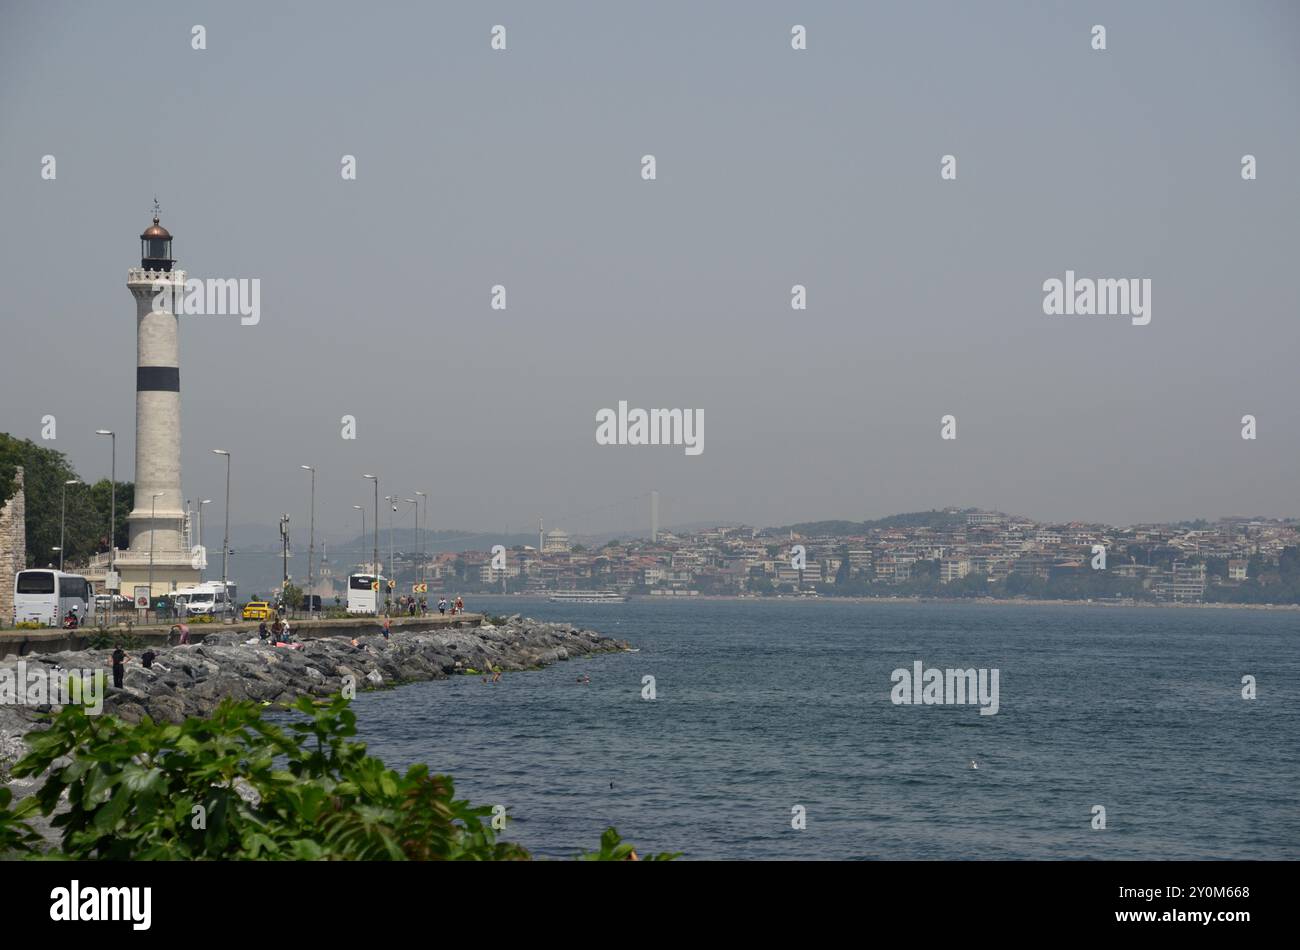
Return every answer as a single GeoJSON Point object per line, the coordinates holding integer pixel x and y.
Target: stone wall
{"type": "Point", "coordinates": [13, 546]}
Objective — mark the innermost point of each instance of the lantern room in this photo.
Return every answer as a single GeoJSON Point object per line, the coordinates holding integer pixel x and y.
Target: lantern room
{"type": "Point", "coordinates": [156, 247]}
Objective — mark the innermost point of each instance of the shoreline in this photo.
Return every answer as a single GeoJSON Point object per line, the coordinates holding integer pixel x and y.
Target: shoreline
{"type": "Point", "coordinates": [1017, 601]}
{"type": "Point", "coordinates": [193, 679]}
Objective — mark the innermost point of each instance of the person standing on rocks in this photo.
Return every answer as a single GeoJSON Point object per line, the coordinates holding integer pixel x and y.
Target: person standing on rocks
{"type": "Point", "coordinates": [184, 628]}
{"type": "Point", "coordinates": [147, 658]}
{"type": "Point", "coordinates": [442, 606]}
{"type": "Point", "coordinates": [119, 666]}
{"type": "Point", "coordinates": [386, 626]}
{"type": "Point", "coordinates": [460, 605]}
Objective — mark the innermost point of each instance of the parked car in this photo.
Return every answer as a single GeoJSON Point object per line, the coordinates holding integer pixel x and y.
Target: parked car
{"type": "Point", "coordinates": [258, 610]}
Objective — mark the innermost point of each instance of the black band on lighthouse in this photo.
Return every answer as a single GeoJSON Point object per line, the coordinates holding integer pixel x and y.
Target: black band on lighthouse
{"type": "Point", "coordinates": [165, 379]}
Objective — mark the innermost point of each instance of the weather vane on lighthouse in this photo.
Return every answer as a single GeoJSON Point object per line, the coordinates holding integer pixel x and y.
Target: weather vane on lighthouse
{"type": "Point", "coordinates": [157, 209]}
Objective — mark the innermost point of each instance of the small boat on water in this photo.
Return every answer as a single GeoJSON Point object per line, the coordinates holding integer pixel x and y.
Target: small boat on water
{"type": "Point", "coordinates": [587, 597]}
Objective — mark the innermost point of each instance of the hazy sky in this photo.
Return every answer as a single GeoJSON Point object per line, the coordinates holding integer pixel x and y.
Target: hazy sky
{"type": "Point", "coordinates": [775, 167]}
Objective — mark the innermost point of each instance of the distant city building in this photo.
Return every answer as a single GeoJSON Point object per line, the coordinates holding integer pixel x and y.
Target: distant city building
{"type": "Point", "coordinates": [953, 569]}
{"type": "Point", "coordinates": [556, 541]}
{"type": "Point", "coordinates": [1188, 582]}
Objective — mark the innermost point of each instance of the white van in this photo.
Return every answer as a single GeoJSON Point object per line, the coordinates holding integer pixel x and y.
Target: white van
{"type": "Point", "coordinates": [205, 600]}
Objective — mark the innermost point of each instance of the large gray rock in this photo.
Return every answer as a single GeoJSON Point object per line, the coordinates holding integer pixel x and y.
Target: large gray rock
{"type": "Point", "coordinates": [193, 679]}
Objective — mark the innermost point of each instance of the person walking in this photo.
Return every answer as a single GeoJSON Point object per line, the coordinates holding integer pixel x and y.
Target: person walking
{"type": "Point", "coordinates": [387, 623]}
{"type": "Point", "coordinates": [442, 606]}
{"type": "Point", "coordinates": [460, 605]}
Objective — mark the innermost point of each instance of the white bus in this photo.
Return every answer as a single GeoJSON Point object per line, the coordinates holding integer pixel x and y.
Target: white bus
{"type": "Point", "coordinates": [365, 593]}
{"type": "Point", "coordinates": [46, 596]}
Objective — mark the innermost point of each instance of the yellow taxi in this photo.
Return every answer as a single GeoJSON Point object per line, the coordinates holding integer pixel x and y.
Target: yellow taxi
{"type": "Point", "coordinates": [258, 610]}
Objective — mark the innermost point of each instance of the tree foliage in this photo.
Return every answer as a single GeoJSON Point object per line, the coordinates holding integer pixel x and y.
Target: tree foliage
{"type": "Point", "coordinates": [45, 471]}
{"type": "Point", "coordinates": [235, 787]}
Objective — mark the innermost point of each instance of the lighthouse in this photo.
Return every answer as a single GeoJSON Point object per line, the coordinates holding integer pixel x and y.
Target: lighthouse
{"type": "Point", "coordinates": [158, 523]}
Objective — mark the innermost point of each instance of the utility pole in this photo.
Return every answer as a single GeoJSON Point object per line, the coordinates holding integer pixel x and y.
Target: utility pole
{"type": "Point", "coordinates": [203, 575]}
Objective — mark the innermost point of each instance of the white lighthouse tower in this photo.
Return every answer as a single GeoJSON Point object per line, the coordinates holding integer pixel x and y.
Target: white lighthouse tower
{"type": "Point", "coordinates": [159, 550]}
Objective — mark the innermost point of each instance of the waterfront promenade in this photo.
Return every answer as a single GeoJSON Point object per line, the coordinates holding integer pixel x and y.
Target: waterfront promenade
{"type": "Point", "coordinates": [54, 640]}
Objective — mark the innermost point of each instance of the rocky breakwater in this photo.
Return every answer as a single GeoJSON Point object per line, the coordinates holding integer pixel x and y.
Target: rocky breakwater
{"type": "Point", "coordinates": [192, 680]}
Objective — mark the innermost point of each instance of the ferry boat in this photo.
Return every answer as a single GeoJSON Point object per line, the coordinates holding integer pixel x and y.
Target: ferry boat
{"type": "Point", "coordinates": [587, 597]}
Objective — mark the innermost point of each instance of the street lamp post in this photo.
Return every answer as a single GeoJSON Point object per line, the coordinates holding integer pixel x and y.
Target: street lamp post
{"type": "Point", "coordinates": [225, 544]}
{"type": "Point", "coordinates": [284, 543]}
{"type": "Point", "coordinates": [63, 517]}
{"type": "Point", "coordinates": [153, 510]}
{"type": "Point", "coordinates": [112, 520]}
{"type": "Point", "coordinates": [392, 560]}
{"type": "Point", "coordinates": [362, 509]}
{"type": "Point", "coordinates": [375, 479]}
{"type": "Point", "coordinates": [311, 543]}
{"type": "Point", "coordinates": [415, 519]}
{"type": "Point", "coordinates": [421, 531]}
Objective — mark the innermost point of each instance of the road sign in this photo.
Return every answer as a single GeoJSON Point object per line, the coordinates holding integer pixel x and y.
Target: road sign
{"type": "Point", "coordinates": [419, 588]}
{"type": "Point", "coordinates": [392, 585]}
{"type": "Point", "coordinates": [374, 585]}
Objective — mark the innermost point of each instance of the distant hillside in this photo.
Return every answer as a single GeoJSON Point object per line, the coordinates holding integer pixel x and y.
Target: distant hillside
{"type": "Point", "coordinates": [911, 519]}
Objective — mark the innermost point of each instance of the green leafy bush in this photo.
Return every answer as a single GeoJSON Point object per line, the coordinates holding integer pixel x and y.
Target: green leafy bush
{"type": "Point", "coordinates": [234, 787]}
{"type": "Point", "coordinates": [15, 834]}
{"type": "Point", "coordinates": [105, 639]}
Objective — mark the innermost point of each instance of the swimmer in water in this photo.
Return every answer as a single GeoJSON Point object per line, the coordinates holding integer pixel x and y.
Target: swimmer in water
{"type": "Point", "coordinates": [973, 765]}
